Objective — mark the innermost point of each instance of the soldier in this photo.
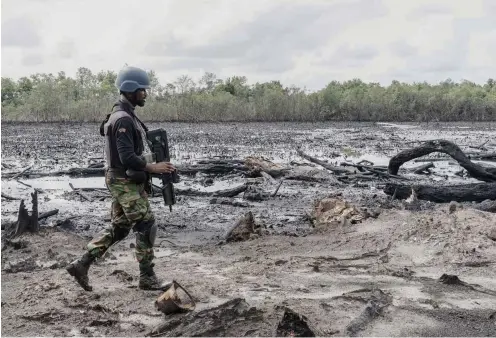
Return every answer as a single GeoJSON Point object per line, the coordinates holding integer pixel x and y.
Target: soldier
{"type": "Point", "coordinates": [126, 177]}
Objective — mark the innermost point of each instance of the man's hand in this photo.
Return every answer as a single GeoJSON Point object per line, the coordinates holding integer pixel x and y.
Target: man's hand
{"type": "Point", "coordinates": [160, 168]}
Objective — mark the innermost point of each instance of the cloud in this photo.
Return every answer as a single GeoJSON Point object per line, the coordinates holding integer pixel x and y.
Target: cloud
{"type": "Point", "coordinates": [268, 43]}
{"type": "Point", "coordinates": [431, 9]}
{"type": "Point", "coordinates": [19, 32]}
{"type": "Point", "coordinates": [402, 48]}
{"type": "Point", "coordinates": [302, 42]}
{"type": "Point", "coordinates": [32, 59]}
{"type": "Point", "coordinates": [66, 48]}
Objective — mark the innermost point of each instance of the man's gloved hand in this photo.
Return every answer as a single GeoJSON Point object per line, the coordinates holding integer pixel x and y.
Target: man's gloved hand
{"type": "Point", "coordinates": [160, 168]}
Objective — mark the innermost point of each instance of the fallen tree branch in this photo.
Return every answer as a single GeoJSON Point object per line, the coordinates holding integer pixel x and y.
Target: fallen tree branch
{"type": "Point", "coordinates": [48, 214]}
{"type": "Point", "coordinates": [334, 169]}
{"type": "Point", "coordinates": [374, 308]}
{"type": "Point", "coordinates": [12, 198]}
{"type": "Point", "coordinates": [277, 189]}
{"type": "Point", "coordinates": [20, 173]}
{"type": "Point", "coordinates": [80, 193]}
{"type": "Point", "coordinates": [446, 147]}
{"type": "Point", "coordinates": [27, 185]}
{"type": "Point", "coordinates": [476, 192]}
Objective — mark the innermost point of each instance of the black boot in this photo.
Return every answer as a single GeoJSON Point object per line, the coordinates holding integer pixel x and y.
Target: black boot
{"type": "Point", "coordinates": [79, 270]}
{"type": "Point", "coordinates": [149, 281]}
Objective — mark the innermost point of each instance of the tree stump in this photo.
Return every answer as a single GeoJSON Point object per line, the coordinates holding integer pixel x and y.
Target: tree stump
{"type": "Point", "coordinates": [26, 222]}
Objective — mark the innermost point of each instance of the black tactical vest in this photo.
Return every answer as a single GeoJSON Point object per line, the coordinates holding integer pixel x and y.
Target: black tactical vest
{"type": "Point", "coordinates": [119, 110]}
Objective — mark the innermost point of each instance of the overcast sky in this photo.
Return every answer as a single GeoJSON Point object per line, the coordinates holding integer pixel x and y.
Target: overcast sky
{"type": "Point", "coordinates": [303, 42]}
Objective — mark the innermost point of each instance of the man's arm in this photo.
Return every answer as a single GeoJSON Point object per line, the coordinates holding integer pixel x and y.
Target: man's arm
{"type": "Point", "coordinates": [124, 129]}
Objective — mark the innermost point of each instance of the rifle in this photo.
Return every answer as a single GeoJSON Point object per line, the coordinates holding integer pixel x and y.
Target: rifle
{"type": "Point", "coordinates": [159, 145]}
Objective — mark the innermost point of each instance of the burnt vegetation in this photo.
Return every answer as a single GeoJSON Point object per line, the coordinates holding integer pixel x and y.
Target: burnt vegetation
{"type": "Point", "coordinates": [88, 96]}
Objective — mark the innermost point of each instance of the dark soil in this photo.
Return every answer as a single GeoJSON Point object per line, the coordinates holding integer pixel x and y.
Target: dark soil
{"type": "Point", "coordinates": [380, 276]}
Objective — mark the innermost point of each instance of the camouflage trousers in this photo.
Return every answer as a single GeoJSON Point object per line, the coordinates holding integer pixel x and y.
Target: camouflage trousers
{"type": "Point", "coordinates": [130, 206]}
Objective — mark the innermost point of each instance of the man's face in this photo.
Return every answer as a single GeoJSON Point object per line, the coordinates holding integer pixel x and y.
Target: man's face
{"type": "Point", "coordinates": [140, 97]}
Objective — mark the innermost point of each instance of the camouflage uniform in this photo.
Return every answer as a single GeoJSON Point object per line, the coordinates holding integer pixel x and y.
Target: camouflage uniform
{"type": "Point", "coordinates": [125, 142]}
{"type": "Point", "coordinates": [130, 206]}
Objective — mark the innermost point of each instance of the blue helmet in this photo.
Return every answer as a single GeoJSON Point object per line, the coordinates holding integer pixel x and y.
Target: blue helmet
{"type": "Point", "coordinates": [130, 79]}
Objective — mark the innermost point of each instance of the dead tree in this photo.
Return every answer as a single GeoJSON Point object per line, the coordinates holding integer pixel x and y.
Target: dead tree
{"type": "Point", "coordinates": [477, 192]}
{"type": "Point", "coordinates": [25, 222]}
{"type": "Point", "coordinates": [446, 147]}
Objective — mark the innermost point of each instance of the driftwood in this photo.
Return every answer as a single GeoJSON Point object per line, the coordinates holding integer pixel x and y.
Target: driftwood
{"type": "Point", "coordinates": [311, 174]}
{"type": "Point", "coordinates": [25, 222]}
{"type": "Point", "coordinates": [446, 147]}
{"type": "Point", "coordinates": [476, 192]}
{"type": "Point", "coordinates": [80, 193]}
{"type": "Point", "coordinates": [21, 172]}
{"type": "Point", "coordinates": [334, 169]}
{"type": "Point", "coordinates": [27, 185]}
{"type": "Point", "coordinates": [261, 165]}
{"type": "Point", "coordinates": [12, 198]}
{"type": "Point", "coordinates": [277, 189]}
{"type": "Point", "coordinates": [374, 308]}
{"type": "Point", "coordinates": [48, 214]}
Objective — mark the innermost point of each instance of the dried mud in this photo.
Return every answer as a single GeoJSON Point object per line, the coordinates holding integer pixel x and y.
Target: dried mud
{"type": "Point", "coordinates": [380, 276]}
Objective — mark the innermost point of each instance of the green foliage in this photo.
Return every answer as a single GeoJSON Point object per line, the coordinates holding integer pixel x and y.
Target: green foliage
{"type": "Point", "coordinates": [89, 96]}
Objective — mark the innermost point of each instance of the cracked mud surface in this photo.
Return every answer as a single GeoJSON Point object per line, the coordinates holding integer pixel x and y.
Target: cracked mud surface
{"type": "Point", "coordinates": [378, 277]}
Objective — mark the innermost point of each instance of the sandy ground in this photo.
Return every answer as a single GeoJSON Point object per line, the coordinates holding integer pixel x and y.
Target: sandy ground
{"type": "Point", "coordinates": [380, 277]}
{"type": "Point", "coordinates": [329, 278]}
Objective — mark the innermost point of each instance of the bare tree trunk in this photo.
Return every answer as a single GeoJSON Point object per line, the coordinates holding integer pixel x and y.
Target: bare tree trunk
{"type": "Point", "coordinates": [25, 222]}
{"type": "Point", "coordinates": [446, 147]}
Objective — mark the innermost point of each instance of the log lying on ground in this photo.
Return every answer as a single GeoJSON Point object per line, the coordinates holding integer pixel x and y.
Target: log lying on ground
{"type": "Point", "coordinates": [48, 214]}
{"type": "Point", "coordinates": [21, 172]}
{"type": "Point", "coordinates": [12, 198]}
{"type": "Point", "coordinates": [261, 164]}
{"type": "Point", "coordinates": [446, 147]}
{"type": "Point", "coordinates": [80, 193]}
{"type": "Point", "coordinates": [476, 192]}
{"type": "Point", "coordinates": [311, 174]}
{"type": "Point", "coordinates": [334, 169]}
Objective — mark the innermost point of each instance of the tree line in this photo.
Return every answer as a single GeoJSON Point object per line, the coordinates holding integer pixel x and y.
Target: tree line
{"type": "Point", "coordinates": [89, 96]}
